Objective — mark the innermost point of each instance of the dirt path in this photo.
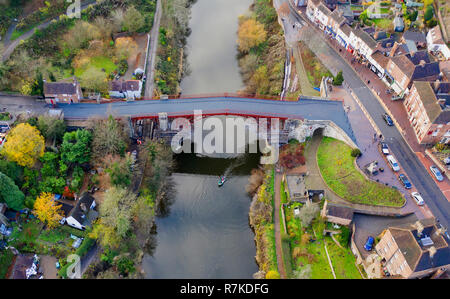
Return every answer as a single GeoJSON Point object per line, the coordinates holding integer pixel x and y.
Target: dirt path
{"type": "Point", "coordinates": [278, 245]}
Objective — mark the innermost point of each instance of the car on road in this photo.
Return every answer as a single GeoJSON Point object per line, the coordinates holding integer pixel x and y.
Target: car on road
{"type": "Point", "coordinates": [404, 181]}
{"type": "Point", "coordinates": [369, 243]}
{"type": "Point", "coordinates": [384, 148]}
{"type": "Point", "coordinates": [393, 163]}
{"type": "Point", "coordinates": [388, 119]}
{"type": "Point", "coordinates": [417, 198]}
{"type": "Point", "coordinates": [437, 174]}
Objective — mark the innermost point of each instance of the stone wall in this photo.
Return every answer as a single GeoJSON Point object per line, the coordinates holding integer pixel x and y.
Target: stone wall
{"type": "Point", "coordinates": [302, 129]}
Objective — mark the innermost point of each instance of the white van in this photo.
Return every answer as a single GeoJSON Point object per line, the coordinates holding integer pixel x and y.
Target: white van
{"type": "Point", "coordinates": [393, 163]}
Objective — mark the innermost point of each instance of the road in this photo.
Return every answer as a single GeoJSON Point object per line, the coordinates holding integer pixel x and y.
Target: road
{"type": "Point", "coordinates": [414, 169]}
{"type": "Point", "coordinates": [150, 71]}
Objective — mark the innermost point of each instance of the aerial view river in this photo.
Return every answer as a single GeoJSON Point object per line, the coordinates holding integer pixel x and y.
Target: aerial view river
{"type": "Point", "coordinates": [206, 234]}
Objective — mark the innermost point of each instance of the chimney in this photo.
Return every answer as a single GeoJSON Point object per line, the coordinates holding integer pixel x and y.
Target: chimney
{"type": "Point", "coordinates": [418, 225]}
{"type": "Point", "coordinates": [436, 86]}
{"type": "Point", "coordinates": [422, 63]}
{"type": "Point", "coordinates": [432, 250]}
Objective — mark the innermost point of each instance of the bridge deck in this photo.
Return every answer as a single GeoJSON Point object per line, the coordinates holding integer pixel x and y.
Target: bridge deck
{"type": "Point", "coordinates": [311, 109]}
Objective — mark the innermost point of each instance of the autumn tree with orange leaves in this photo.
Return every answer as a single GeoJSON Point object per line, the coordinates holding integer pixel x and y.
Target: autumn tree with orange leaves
{"type": "Point", "coordinates": [251, 33]}
{"type": "Point", "coordinates": [47, 210]}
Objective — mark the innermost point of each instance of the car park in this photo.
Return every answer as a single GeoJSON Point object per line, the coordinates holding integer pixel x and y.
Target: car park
{"type": "Point", "coordinates": [393, 163]}
{"type": "Point", "coordinates": [384, 148]}
{"type": "Point", "coordinates": [406, 183]}
{"type": "Point", "coordinates": [437, 174]}
{"type": "Point", "coordinates": [369, 243]}
{"type": "Point", "coordinates": [417, 198]}
{"type": "Point", "coordinates": [388, 119]}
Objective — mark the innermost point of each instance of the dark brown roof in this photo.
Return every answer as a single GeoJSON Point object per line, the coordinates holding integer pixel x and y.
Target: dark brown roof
{"type": "Point", "coordinates": [380, 59]}
{"type": "Point", "coordinates": [60, 88]}
{"type": "Point", "coordinates": [428, 99]}
{"type": "Point", "coordinates": [417, 255]}
{"type": "Point", "coordinates": [339, 211]}
{"type": "Point", "coordinates": [404, 64]}
{"type": "Point", "coordinates": [122, 86]}
{"type": "Point", "coordinates": [21, 264]}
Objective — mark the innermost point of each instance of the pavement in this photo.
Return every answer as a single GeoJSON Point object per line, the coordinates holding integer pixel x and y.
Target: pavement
{"type": "Point", "coordinates": [404, 153]}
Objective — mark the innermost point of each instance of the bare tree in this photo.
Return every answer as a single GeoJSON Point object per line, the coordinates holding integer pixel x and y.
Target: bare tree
{"type": "Point", "coordinates": [308, 212]}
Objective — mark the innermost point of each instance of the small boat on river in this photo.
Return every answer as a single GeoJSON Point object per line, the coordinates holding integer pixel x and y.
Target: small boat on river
{"type": "Point", "coordinates": [222, 181]}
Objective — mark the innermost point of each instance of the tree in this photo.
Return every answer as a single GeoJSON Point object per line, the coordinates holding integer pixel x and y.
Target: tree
{"type": "Point", "coordinates": [109, 137]}
{"type": "Point", "coordinates": [120, 171]}
{"type": "Point", "coordinates": [429, 12]}
{"type": "Point", "coordinates": [95, 80]}
{"type": "Point", "coordinates": [303, 273]}
{"type": "Point", "coordinates": [51, 127]}
{"type": "Point", "coordinates": [47, 210]}
{"type": "Point", "coordinates": [115, 217]}
{"type": "Point", "coordinates": [259, 82]}
{"type": "Point", "coordinates": [24, 145]}
{"type": "Point", "coordinates": [76, 147]}
{"type": "Point", "coordinates": [272, 274]}
{"type": "Point", "coordinates": [308, 213]}
{"type": "Point", "coordinates": [10, 193]}
{"type": "Point", "coordinates": [251, 33]}
{"type": "Point", "coordinates": [337, 81]}
{"type": "Point", "coordinates": [133, 20]}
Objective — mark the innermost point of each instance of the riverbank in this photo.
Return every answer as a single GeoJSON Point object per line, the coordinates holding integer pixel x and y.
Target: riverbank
{"type": "Point", "coordinates": [261, 219]}
{"type": "Point", "coordinates": [173, 32]}
{"type": "Point", "coordinates": [262, 50]}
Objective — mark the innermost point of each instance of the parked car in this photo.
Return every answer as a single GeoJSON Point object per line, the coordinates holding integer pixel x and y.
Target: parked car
{"type": "Point", "coordinates": [384, 148]}
{"type": "Point", "coordinates": [369, 243]}
{"type": "Point", "coordinates": [437, 174]}
{"type": "Point", "coordinates": [404, 181]}
{"type": "Point", "coordinates": [388, 119]}
{"type": "Point", "coordinates": [418, 198]}
{"type": "Point", "coordinates": [393, 163]}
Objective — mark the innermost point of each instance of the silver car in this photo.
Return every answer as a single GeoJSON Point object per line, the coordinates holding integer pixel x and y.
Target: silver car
{"type": "Point", "coordinates": [418, 198]}
{"type": "Point", "coordinates": [437, 174]}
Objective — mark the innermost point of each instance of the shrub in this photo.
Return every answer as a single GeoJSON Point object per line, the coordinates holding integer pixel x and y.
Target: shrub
{"type": "Point", "coordinates": [356, 152]}
{"type": "Point", "coordinates": [272, 274]}
{"type": "Point", "coordinates": [337, 81]}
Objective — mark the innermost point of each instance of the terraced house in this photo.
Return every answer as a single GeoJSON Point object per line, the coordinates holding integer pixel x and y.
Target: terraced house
{"type": "Point", "coordinates": [428, 109]}
{"type": "Point", "coordinates": [414, 250]}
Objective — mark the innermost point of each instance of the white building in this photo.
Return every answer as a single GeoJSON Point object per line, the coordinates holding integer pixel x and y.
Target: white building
{"type": "Point", "coordinates": [82, 214]}
{"type": "Point", "coordinates": [436, 43]}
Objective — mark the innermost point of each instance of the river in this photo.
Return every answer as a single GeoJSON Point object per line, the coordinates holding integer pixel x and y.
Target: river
{"type": "Point", "coordinates": [206, 234]}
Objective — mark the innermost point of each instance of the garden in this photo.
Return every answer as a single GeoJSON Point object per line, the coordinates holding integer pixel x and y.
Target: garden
{"type": "Point", "coordinates": [308, 256]}
{"type": "Point", "coordinates": [86, 48]}
{"type": "Point", "coordinates": [338, 169]}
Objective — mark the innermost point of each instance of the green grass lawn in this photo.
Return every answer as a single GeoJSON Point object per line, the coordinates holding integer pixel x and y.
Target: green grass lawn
{"type": "Point", "coordinates": [99, 62]}
{"type": "Point", "coordinates": [384, 24]}
{"type": "Point", "coordinates": [338, 170]}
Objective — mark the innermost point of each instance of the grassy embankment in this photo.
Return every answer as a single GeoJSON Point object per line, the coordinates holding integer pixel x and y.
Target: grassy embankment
{"type": "Point", "coordinates": [338, 169]}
